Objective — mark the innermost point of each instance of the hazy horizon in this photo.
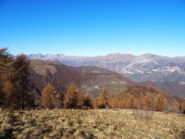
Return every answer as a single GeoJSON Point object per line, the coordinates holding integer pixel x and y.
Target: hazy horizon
{"type": "Point", "coordinates": [101, 55]}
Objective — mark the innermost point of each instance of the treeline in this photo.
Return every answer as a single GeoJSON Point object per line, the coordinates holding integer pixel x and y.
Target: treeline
{"type": "Point", "coordinates": [73, 98]}
{"type": "Point", "coordinates": [17, 92]}
{"type": "Point", "coordinates": [146, 102]}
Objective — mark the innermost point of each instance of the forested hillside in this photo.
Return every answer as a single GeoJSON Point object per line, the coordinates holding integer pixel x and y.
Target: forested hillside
{"type": "Point", "coordinates": [48, 84]}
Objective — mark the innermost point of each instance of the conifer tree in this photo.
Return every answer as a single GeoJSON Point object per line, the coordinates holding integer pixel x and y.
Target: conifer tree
{"type": "Point", "coordinates": [160, 102]}
{"type": "Point", "coordinates": [12, 96]}
{"type": "Point", "coordinates": [73, 98]}
{"type": "Point", "coordinates": [14, 79]}
{"type": "Point", "coordinates": [130, 102]}
{"type": "Point", "coordinates": [6, 68]}
{"type": "Point", "coordinates": [2, 98]}
{"type": "Point", "coordinates": [88, 101]}
{"type": "Point", "coordinates": [48, 97]}
{"type": "Point", "coordinates": [137, 103]}
{"type": "Point", "coordinates": [124, 102]}
{"type": "Point", "coordinates": [21, 66]}
{"type": "Point", "coordinates": [148, 101]}
{"type": "Point", "coordinates": [113, 102]}
{"type": "Point", "coordinates": [6, 61]}
{"type": "Point", "coordinates": [181, 107]}
{"type": "Point", "coordinates": [6, 71]}
{"type": "Point", "coordinates": [102, 100]}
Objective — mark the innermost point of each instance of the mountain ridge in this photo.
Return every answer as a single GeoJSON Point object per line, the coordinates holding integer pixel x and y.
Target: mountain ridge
{"type": "Point", "coordinates": [147, 67]}
{"type": "Point", "coordinates": [90, 79]}
{"type": "Point", "coordinates": [128, 65]}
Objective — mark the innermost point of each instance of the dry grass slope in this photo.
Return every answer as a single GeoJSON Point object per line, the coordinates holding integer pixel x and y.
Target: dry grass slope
{"type": "Point", "coordinates": [90, 124]}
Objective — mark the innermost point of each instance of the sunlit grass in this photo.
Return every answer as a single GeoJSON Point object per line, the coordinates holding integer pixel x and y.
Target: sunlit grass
{"type": "Point", "coordinates": [90, 124]}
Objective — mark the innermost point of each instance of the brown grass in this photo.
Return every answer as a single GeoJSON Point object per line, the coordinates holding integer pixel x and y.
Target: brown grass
{"type": "Point", "coordinates": [90, 124]}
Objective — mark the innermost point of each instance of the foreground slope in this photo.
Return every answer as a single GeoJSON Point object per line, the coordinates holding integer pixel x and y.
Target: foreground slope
{"type": "Point", "coordinates": [89, 79]}
{"type": "Point", "coordinates": [90, 124]}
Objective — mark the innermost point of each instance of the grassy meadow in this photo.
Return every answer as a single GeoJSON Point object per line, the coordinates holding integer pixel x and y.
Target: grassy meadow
{"type": "Point", "coordinates": [89, 124]}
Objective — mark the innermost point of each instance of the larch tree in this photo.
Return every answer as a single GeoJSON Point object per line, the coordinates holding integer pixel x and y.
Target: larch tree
{"type": "Point", "coordinates": [6, 72]}
{"type": "Point", "coordinates": [148, 101]}
{"type": "Point", "coordinates": [48, 97]}
{"type": "Point", "coordinates": [22, 68]}
{"type": "Point", "coordinates": [138, 102]}
{"type": "Point", "coordinates": [73, 98]}
{"type": "Point", "coordinates": [181, 107]}
{"type": "Point", "coordinates": [160, 102]}
{"type": "Point", "coordinates": [6, 61]}
{"type": "Point", "coordinates": [124, 102]}
{"type": "Point", "coordinates": [113, 102]}
{"type": "Point", "coordinates": [102, 100]}
{"type": "Point", "coordinates": [88, 101]}
{"type": "Point", "coordinates": [12, 96]}
{"type": "Point", "coordinates": [130, 102]}
{"type": "Point", "coordinates": [2, 98]}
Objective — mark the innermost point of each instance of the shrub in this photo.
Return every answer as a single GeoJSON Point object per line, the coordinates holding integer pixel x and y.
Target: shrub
{"type": "Point", "coordinates": [142, 114]}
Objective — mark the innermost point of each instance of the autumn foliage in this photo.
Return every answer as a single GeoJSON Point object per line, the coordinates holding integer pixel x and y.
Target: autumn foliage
{"type": "Point", "coordinates": [17, 92]}
{"type": "Point", "coordinates": [88, 101]}
{"type": "Point", "coordinates": [48, 97]}
{"type": "Point", "coordinates": [144, 102]}
{"type": "Point", "coordinates": [181, 107]}
{"type": "Point", "coordinates": [12, 96]}
{"type": "Point", "coordinates": [22, 80]}
{"type": "Point", "coordinates": [73, 98]}
{"type": "Point", "coordinates": [160, 102]}
{"type": "Point", "coordinates": [15, 84]}
{"type": "Point", "coordinates": [148, 102]}
{"type": "Point", "coordinates": [102, 100]}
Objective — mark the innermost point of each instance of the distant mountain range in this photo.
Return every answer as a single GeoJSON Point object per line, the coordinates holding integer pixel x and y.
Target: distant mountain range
{"type": "Point", "coordinates": [88, 79]}
{"type": "Point", "coordinates": [165, 73]}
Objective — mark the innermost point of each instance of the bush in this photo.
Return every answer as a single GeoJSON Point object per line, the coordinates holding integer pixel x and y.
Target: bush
{"type": "Point", "coordinates": [142, 114]}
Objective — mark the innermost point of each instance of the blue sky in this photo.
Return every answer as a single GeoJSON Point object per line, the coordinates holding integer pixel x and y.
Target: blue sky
{"type": "Point", "coordinates": [93, 27]}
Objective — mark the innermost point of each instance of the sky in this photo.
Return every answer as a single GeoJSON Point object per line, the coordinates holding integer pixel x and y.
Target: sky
{"type": "Point", "coordinates": [93, 27]}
